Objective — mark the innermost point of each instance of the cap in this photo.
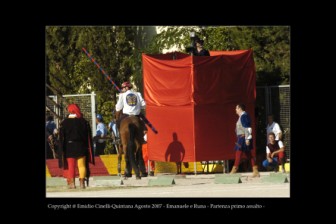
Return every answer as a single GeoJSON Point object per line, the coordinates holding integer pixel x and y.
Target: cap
{"type": "Point", "coordinates": [126, 84]}
{"type": "Point", "coordinates": [201, 42]}
{"type": "Point", "coordinates": [99, 117]}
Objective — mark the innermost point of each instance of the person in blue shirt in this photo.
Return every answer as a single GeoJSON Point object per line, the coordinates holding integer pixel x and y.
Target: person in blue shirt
{"type": "Point", "coordinates": [101, 133]}
{"type": "Point", "coordinates": [112, 127]}
{"type": "Point", "coordinates": [51, 131]}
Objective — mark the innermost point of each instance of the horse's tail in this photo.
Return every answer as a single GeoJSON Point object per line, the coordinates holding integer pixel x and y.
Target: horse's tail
{"type": "Point", "coordinates": [131, 142]}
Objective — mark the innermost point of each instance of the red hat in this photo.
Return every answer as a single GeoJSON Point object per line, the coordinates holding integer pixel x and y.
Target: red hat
{"type": "Point", "coordinates": [74, 109]}
{"type": "Point", "coordinates": [126, 84]}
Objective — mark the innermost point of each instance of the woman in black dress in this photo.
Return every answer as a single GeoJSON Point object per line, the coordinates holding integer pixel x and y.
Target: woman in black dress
{"type": "Point", "coordinates": [75, 146]}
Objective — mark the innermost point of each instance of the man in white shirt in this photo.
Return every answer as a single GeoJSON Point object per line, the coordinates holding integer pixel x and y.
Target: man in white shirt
{"type": "Point", "coordinates": [274, 127]}
{"type": "Point", "coordinates": [130, 103]}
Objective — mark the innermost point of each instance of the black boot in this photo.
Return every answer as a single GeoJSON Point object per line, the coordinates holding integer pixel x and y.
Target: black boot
{"type": "Point", "coordinates": [144, 174]}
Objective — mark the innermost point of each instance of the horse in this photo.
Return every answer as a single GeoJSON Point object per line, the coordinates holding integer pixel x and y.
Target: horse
{"type": "Point", "coordinates": [131, 135]}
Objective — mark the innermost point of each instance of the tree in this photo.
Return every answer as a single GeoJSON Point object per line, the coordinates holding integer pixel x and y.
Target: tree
{"type": "Point", "coordinates": [116, 49]}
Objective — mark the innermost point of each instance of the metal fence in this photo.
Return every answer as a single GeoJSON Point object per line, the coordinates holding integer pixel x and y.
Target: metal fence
{"type": "Point", "coordinates": [273, 100]}
{"type": "Point", "coordinates": [86, 102]}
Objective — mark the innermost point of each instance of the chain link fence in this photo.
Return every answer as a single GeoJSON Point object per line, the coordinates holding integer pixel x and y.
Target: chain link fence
{"type": "Point", "coordinates": [86, 102]}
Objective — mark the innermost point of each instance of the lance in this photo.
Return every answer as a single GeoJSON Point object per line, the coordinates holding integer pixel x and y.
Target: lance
{"type": "Point", "coordinates": [113, 83]}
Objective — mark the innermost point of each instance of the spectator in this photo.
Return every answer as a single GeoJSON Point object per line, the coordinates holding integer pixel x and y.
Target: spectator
{"type": "Point", "coordinates": [112, 128]}
{"type": "Point", "coordinates": [50, 125]}
{"type": "Point", "coordinates": [274, 127]}
{"type": "Point", "coordinates": [199, 50]}
{"type": "Point", "coordinates": [275, 154]}
{"type": "Point", "coordinates": [51, 132]}
{"type": "Point", "coordinates": [101, 133]}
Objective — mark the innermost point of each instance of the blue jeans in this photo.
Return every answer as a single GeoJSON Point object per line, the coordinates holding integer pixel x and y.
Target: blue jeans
{"type": "Point", "coordinates": [114, 129]}
{"type": "Point", "coordinates": [113, 126]}
{"type": "Point", "coordinates": [273, 164]}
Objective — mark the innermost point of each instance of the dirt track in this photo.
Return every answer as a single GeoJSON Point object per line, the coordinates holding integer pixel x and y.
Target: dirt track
{"type": "Point", "coordinates": [190, 186]}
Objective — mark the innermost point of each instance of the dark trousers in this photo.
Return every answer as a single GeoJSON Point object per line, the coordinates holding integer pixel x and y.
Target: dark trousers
{"type": "Point", "coordinates": [100, 148]}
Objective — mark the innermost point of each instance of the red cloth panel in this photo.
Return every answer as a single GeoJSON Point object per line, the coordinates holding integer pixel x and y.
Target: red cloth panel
{"type": "Point", "coordinates": [191, 102]}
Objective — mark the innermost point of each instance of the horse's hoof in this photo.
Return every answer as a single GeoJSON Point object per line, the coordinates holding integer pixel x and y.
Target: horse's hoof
{"type": "Point", "coordinates": [144, 175]}
{"type": "Point", "coordinates": [151, 173]}
{"type": "Point", "coordinates": [119, 174]}
{"type": "Point", "coordinates": [138, 178]}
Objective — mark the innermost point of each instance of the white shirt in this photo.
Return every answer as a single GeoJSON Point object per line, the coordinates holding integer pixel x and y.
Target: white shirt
{"type": "Point", "coordinates": [240, 129]}
{"type": "Point", "coordinates": [280, 146]}
{"type": "Point", "coordinates": [275, 128]}
{"type": "Point", "coordinates": [130, 102]}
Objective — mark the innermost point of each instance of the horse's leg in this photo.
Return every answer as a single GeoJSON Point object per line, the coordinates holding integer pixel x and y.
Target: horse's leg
{"type": "Point", "coordinates": [178, 167]}
{"type": "Point", "coordinates": [134, 164]}
{"type": "Point", "coordinates": [131, 147]}
{"type": "Point", "coordinates": [128, 167]}
{"type": "Point", "coordinates": [120, 151]}
{"type": "Point", "coordinates": [123, 149]}
{"type": "Point", "coordinates": [140, 160]}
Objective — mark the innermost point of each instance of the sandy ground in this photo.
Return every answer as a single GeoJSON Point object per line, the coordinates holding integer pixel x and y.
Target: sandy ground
{"type": "Point", "coordinates": [188, 186]}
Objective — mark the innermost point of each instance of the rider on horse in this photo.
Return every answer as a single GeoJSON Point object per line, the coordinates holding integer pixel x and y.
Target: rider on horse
{"type": "Point", "coordinates": [131, 103]}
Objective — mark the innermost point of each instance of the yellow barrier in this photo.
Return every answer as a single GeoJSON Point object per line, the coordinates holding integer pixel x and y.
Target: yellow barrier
{"type": "Point", "coordinates": [170, 167]}
{"type": "Point", "coordinates": [287, 168]}
{"type": "Point", "coordinates": [47, 172]}
{"type": "Point", "coordinates": [111, 163]}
